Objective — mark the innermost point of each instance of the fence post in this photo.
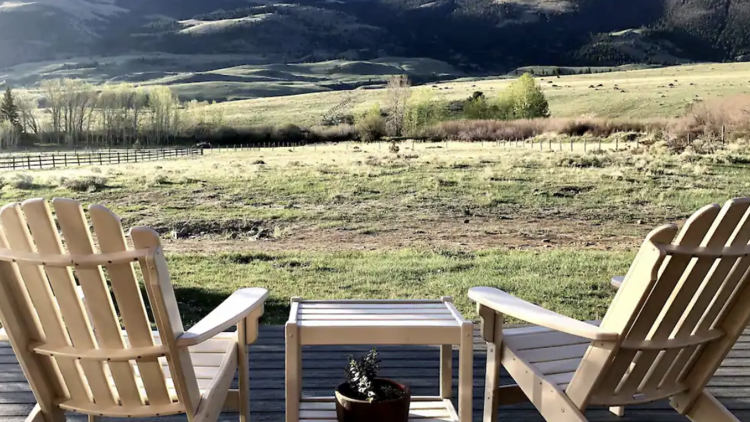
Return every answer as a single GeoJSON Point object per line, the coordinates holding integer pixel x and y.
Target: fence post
{"type": "Point", "coordinates": [617, 144]}
{"type": "Point", "coordinates": [13, 157]}
{"type": "Point", "coordinates": [28, 162]}
{"type": "Point", "coordinates": [571, 144]}
{"type": "Point", "coordinates": [118, 157]}
{"type": "Point", "coordinates": [100, 159]}
{"type": "Point", "coordinates": [584, 144]}
{"type": "Point", "coordinates": [600, 144]}
{"type": "Point", "coordinates": [65, 159]}
{"type": "Point", "coordinates": [559, 143]}
{"type": "Point", "coordinates": [40, 161]}
{"type": "Point", "coordinates": [550, 144]}
{"type": "Point", "coordinates": [722, 135]}
{"type": "Point", "coordinates": [53, 161]}
{"type": "Point", "coordinates": [78, 159]}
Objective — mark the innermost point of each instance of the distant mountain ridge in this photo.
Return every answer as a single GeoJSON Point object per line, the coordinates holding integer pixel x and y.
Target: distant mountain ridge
{"type": "Point", "coordinates": [475, 35]}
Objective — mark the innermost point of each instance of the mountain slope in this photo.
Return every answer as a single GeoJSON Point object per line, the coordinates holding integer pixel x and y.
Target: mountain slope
{"type": "Point", "coordinates": [477, 35]}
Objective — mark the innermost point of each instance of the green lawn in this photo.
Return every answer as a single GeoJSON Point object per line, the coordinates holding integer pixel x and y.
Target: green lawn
{"type": "Point", "coordinates": [575, 283]}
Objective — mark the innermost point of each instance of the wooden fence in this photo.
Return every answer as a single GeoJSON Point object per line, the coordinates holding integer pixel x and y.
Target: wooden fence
{"type": "Point", "coordinates": [57, 160]}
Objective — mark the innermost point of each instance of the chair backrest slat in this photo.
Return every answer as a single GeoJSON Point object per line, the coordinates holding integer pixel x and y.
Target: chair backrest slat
{"type": "Point", "coordinates": [18, 237]}
{"type": "Point", "coordinates": [683, 289]}
{"type": "Point", "coordinates": [23, 328]}
{"type": "Point", "coordinates": [668, 365]}
{"type": "Point", "coordinates": [641, 277]}
{"type": "Point", "coordinates": [167, 316]}
{"type": "Point", "coordinates": [73, 309]}
{"type": "Point", "coordinates": [78, 240]}
{"type": "Point", "coordinates": [109, 233]}
{"type": "Point", "coordinates": [679, 325]}
{"type": "Point", "coordinates": [45, 235]}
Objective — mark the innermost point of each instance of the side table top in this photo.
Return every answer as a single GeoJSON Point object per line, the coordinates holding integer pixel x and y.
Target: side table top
{"type": "Point", "coordinates": [391, 313]}
{"type": "Point", "coordinates": [413, 321]}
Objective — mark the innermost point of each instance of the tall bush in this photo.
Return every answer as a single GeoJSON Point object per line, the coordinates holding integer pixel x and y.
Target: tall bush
{"type": "Point", "coordinates": [370, 125]}
{"type": "Point", "coordinates": [422, 114]}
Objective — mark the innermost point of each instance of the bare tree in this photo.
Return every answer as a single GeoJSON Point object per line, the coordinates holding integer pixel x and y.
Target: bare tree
{"type": "Point", "coordinates": [398, 93]}
{"type": "Point", "coordinates": [27, 110]}
{"type": "Point", "coordinates": [53, 92]}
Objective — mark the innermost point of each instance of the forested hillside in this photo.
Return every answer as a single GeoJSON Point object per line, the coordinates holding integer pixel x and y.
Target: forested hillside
{"type": "Point", "coordinates": [476, 35]}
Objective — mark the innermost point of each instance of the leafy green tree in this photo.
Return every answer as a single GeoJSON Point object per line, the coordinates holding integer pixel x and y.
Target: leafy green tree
{"type": "Point", "coordinates": [527, 99]}
{"type": "Point", "coordinates": [424, 113]}
{"type": "Point", "coordinates": [9, 109]}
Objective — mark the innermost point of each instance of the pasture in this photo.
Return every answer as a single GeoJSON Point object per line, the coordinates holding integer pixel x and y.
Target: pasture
{"type": "Point", "coordinates": [629, 94]}
{"type": "Point", "coordinates": [359, 221]}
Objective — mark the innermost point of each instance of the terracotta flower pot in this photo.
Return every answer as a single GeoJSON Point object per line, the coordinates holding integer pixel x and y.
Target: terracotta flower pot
{"type": "Point", "coordinates": [352, 410]}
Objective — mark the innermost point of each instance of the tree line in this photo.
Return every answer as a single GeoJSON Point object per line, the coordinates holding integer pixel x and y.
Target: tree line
{"type": "Point", "coordinates": [73, 113]}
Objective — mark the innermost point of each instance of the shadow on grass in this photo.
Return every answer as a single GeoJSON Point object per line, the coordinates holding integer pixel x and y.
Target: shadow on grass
{"type": "Point", "coordinates": [196, 303]}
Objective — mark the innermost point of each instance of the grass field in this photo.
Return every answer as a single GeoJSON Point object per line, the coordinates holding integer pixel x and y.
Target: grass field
{"type": "Point", "coordinates": [355, 221]}
{"type": "Point", "coordinates": [641, 94]}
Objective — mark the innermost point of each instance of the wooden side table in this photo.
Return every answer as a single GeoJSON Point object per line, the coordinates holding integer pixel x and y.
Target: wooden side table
{"type": "Point", "coordinates": [380, 322]}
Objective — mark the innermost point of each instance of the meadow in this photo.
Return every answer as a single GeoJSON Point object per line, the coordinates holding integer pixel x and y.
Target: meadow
{"type": "Point", "coordinates": [359, 221]}
{"type": "Point", "coordinates": [638, 94]}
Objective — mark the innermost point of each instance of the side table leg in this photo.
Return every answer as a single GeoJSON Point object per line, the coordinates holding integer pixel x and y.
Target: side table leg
{"type": "Point", "coordinates": [466, 372]}
{"type": "Point", "coordinates": [446, 371]}
{"type": "Point", "coordinates": [293, 372]}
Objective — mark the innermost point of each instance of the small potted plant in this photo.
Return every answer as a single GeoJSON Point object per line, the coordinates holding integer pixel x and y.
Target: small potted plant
{"type": "Point", "coordinates": [366, 398]}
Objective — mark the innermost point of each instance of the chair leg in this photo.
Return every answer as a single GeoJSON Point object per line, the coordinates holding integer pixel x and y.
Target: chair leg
{"type": "Point", "coordinates": [37, 415]}
{"type": "Point", "coordinates": [92, 418]}
{"type": "Point", "coordinates": [492, 383]}
{"type": "Point", "coordinates": [618, 410]}
{"type": "Point", "coordinates": [244, 372]}
{"type": "Point", "coordinates": [707, 409]}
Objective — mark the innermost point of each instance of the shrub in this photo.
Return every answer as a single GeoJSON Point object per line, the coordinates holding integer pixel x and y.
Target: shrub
{"type": "Point", "coordinates": [157, 180]}
{"type": "Point", "coordinates": [84, 184]}
{"type": "Point", "coordinates": [22, 181]}
{"type": "Point", "coordinates": [424, 114]}
{"type": "Point", "coordinates": [371, 125]}
{"type": "Point", "coordinates": [583, 161]}
{"type": "Point", "coordinates": [339, 133]}
{"type": "Point", "coordinates": [290, 133]}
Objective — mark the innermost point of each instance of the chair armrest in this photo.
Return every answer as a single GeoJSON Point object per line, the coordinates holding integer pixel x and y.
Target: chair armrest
{"type": "Point", "coordinates": [233, 310]}
{"type": "Point", "coordinates": [507, 304]}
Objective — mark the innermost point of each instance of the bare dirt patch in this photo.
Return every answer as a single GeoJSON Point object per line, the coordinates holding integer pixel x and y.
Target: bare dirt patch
{"type": "Point", "coordinates": [464, 233]}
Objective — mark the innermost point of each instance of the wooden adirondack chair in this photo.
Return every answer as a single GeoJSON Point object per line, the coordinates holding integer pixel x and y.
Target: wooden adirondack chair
{"type": "Point", "coordinates": [78, 358]}
{"type": "Point", "coordinates": [682, 306]}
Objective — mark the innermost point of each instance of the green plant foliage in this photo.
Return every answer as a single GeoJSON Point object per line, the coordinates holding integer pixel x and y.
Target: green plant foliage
{"type": "Point", "coordinates": [362, 377]}
{"type": "Point", "coordinates": [527, 99]}
{"type": "Point", "coordinates": [370, 125]}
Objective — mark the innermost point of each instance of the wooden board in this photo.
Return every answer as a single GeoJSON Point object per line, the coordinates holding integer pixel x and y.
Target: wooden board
{"type": "Point", "coordinates": [422, 363]}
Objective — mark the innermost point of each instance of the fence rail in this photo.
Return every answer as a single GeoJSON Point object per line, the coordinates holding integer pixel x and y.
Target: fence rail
{"type": "Point", "coordinates": [50, 161]}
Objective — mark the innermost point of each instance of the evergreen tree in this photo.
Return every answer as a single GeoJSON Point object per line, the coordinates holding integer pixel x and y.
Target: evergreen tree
{"type": "Point", "coordinates": [9, 109]}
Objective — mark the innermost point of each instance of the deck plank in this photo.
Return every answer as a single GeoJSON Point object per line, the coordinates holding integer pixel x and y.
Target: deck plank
{"type": "Point", "coordinates": [417, 366]}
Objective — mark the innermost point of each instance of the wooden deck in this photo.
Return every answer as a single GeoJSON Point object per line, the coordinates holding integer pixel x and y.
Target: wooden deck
{"type": "Point", "coordinates": [417, 366]}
